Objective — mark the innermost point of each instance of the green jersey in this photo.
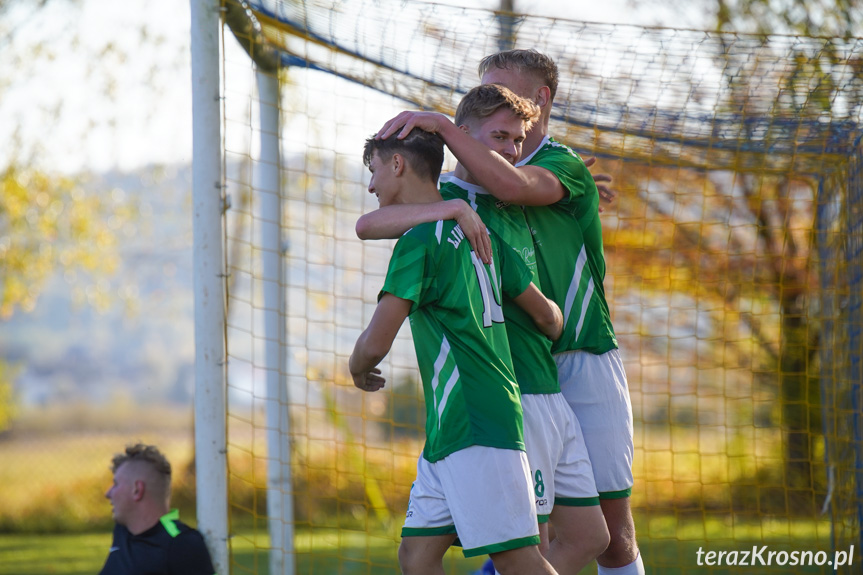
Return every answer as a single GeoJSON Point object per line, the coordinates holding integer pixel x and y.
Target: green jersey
{"type": "Point", "coordinates": [568, 240]}
{"type": "Point", "coordinates": [456, 318]}
{"type": "Point", "coordinates": [534, 365]}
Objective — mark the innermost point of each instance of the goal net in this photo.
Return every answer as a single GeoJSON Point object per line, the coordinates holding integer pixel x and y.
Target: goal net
{"type": "Point", "coordinates": [735, 274]}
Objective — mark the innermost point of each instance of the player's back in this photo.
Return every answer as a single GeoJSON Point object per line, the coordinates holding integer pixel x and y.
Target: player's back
{"type": "Point", "coordinates": [460, 339]}
{"type": "Point", "coordinates": [534, 366]}
{"type": "Point", "coordinates": [569, 251]}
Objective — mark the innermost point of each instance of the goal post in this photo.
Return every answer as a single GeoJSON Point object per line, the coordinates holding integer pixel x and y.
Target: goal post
{"type": "Point", "coordinates": [734, 273]}
{"type": "Point", "coordinates": [209, 281]}
{"type": "Point", "coordinates": [267, 193]}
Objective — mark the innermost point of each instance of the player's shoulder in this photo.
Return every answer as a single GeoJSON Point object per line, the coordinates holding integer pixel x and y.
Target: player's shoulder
{"type": "Point", "coordinates": [187, 537]}
{"type": "Point", "coordinates": [425, 238]}
{"type": "Point", "coordinates": [452, 187]}
{"type": "Point", "coordinates": [188, 552]}
{"type": "Point", "coordinates": [190, 534]}
{"type": "Point", "coordinates": [449, 185]}
{"type": "Point", "coordinates": [553, 146]}
{"type": "Point", "coordinates": [174, 527]}
{"type": "Point", "coordinates": [430, 232]}
{"type": "Point", "coordinates": [424, 232]}
{"type": "Point", "coordinates": [552, 150]}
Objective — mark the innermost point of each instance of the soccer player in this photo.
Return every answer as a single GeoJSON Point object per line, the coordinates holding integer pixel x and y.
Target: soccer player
{"type": "Point", "coordinates": [473, 479]}
{"type": "Point", "coordinates": [561, 208]}
{"type": "Point", "coordinates": [563, 480]}
{"type": "Point", "coordinates": [148, 537]}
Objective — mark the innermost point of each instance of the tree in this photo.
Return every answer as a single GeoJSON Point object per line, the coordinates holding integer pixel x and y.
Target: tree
{"type": "Point", "coordinates": [49, 223]}
{"type": "Point", "coordinates": [769, 258]}
{"type": "Point", "coordinates": [810, 91]}
{"type": "Point", "coordinates": [755, 276]}
{"type": "Point", "coordinates": [820, 18]}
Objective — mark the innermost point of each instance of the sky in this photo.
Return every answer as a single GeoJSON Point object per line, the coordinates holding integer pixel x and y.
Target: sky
{"type": "Point", "coordinates": [99, 84]}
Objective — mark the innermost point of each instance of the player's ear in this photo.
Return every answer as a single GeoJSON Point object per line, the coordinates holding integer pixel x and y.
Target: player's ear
{"type": "Point", "coordinates": [138, 490]}
{"type": "Point", "coordinates": [543, 96]}
{"type": "Point", "coordinates": [398, 164]}
{"type": "Point", "coordinates": [464, 128]}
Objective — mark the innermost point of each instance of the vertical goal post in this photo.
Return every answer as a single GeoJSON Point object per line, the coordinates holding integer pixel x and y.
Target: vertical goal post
{"type": "Point", "coordinates": [209, 284]}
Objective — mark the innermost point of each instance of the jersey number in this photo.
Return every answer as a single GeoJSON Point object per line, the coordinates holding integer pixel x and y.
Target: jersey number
{"type": "Point", "coordinates": [489, 287]}
{"type": "Point", "coordinates": [538, 485]}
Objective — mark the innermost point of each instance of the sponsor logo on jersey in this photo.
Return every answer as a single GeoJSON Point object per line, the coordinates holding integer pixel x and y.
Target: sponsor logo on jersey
{"type": "Point", "coordinates": [528, 255]}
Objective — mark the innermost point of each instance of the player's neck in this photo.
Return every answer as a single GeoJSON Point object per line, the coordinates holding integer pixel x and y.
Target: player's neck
{"type": "Point", "coordinates": [462, 174]}
{"type": "Point", "coordinates": [145, 519]}
{"type": "Point", "coordinates": [535, 137]}
{"type": "Point", "coordinates": [419, 192]}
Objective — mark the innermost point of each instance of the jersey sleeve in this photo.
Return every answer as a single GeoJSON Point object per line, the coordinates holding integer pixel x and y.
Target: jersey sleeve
{"type": "Point", "coordinates": [189, 555]}
{"type": "Point", "coordinates": [515, 276]}
{"type": "Point", "coordinates": [406, 275]}
{"type": "Point", "coordinates": [573, 175]}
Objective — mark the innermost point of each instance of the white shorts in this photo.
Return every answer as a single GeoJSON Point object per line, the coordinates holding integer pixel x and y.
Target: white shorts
{"type": "Point", "coordinates": [559, 463]}
{"type": "Point", "coordinates": [596, 390]}
{"type": "Point", "coordinates": [483, 494]}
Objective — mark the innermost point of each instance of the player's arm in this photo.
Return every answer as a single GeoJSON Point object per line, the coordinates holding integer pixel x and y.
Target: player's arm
{"type": "Point", "coordinates": [375, 342]}
{"type": "Point", "coordinates": [544, 312]}
{"type": "Point", "coordinates": [390, 222]}
{"type": "Point", "coordinates": [525, 186]}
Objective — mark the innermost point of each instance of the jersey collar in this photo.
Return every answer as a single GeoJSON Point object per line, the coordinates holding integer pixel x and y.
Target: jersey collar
{"type": "Point", "coordinates": [449, 178]}
{"type": "Point", "coordinates": [167, 521]}
{"type": "Point", "coordinates": [526, 159]}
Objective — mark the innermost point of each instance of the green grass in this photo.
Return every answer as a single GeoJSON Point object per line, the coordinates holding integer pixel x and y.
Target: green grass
{"type": "Point", "coordinates": [325, 552]}
{"type": "Point", "coordinates": [329, 551]}
{"type": "Point", "coordinates": [75, 554]}
{"type": "Point", "coordinates": [668, 546]}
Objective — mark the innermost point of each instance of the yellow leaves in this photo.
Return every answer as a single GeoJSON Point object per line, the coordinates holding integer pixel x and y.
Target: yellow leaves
{"type": "Point", "coordinates": [15, 293]}
{"type": "Point", "coordinates": [7, 394]}
{"type": "Point", "coordinates": [50, 223]}
{"type": "Point", "coordinates": [630, 238]}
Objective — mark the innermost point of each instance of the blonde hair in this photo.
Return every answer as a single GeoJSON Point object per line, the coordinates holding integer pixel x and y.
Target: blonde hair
{"type": "Point", "coordinates": [532, 62]}
{"type": "Point", "coordinates": [483, 101]}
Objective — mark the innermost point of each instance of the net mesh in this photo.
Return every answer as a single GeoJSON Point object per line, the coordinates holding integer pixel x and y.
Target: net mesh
{"type": "Point", "coordinates": [734, 274]}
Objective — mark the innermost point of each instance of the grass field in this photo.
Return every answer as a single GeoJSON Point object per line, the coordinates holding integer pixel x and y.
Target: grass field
{"type": "Point", "coordinates": [346, 552]}
{"type": "Point", "coordinates": [323, 553]}
{"type": "Point", "coordinates": [54, 517]}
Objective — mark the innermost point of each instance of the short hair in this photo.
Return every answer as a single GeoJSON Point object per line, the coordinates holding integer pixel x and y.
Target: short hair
{"type": "Point", "coordinates": [422, 150]}
{"type": "Point", "coordinates": [530, 61]}
{"type": "Point", "coordinates": [149, 455]}
{"type": "Point", "coordinates": [483, 101]}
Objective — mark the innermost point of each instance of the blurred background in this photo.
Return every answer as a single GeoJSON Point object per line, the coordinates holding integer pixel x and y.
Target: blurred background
{"type": "Point", "coordinates": [96, 304]}
{"type": "Point", "coordinates": [96, 331]}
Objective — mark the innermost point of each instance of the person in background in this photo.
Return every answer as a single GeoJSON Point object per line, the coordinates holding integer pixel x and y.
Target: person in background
{"type": "Point", "coordinates": [149, 537]}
